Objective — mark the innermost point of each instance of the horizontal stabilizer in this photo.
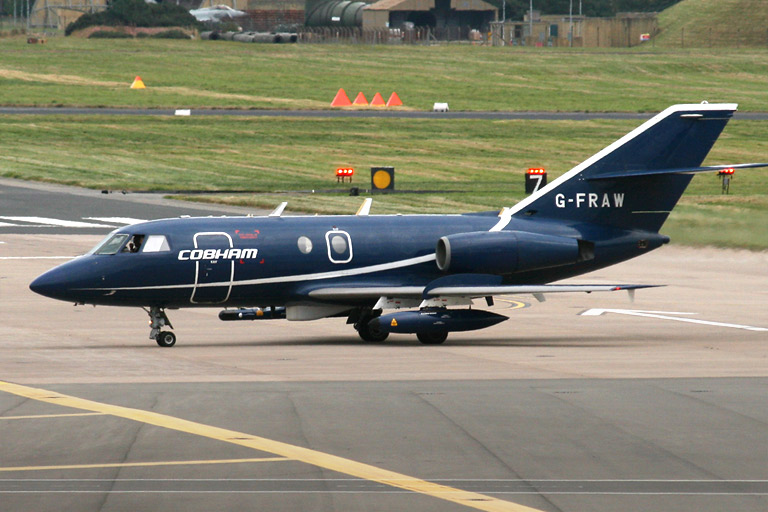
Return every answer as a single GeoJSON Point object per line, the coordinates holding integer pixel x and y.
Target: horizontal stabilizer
{"type": "Point", "coordinates": [684, 170]}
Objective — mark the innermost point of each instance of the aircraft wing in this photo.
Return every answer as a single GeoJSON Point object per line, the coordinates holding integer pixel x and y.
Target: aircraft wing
{"type": "Point", "coordinates": [413, 295]}
{"type": "Point", "coordinates": [484, 291]}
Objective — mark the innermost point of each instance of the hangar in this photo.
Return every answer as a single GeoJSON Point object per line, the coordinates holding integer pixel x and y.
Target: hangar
{"type": "Point", "coordinates": [435, 14]}
{"type": "Point", "coordinates": [439, 14]}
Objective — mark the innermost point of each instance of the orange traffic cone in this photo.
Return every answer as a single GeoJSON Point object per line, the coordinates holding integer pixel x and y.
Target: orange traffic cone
{"type": "Point", "coordinates": [394, 100]}
{"type": "Point", "coordinates": [360, 100]}
{"type": "Point", "coordinates": [341, 99]}
{"type": "Point", "coordinates": [377, 100]}
{"type": "Point", "coordinates": [138, 83]}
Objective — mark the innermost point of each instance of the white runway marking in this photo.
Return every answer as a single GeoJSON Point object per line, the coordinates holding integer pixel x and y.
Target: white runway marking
{"type": "Point", "coordinates": [116, 220]}
{"type": "Point", "coordinates": [664, 315]}
{"type": "Point", "coordinates": [2, 224]}
{"type": "Point", "coordinates": [57, 222]}
{"type": "Point", "coordinates": [37, 257]}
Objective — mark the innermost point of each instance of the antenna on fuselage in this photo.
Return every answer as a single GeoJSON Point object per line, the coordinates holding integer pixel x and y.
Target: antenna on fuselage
{"type": "Point", "coordinates": [365, 208]}
{"type": "Point", "coordinates": [278, 212]}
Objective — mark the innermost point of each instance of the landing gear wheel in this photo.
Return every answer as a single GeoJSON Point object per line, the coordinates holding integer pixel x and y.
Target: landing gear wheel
{"type": "Point", "coordinates": [158, 320]}
{"type": "Point", "coordinates": [433, 337]}
{"type": "Point", "coordinates": [166, 339]}
{"type": "Point", "coordinates": [372, 335]}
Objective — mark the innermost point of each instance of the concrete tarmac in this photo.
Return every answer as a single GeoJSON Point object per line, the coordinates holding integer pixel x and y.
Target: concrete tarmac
{"type": "Point", "coordinates": [658, 404]}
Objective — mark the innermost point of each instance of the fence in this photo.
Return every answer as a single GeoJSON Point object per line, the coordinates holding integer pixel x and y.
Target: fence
{"type": "Point", "coordinates": [624, 33]}
{"type": "Point", "coordinates": [715, 38]}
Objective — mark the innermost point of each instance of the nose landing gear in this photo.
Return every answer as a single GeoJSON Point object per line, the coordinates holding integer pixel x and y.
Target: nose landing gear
{"type": "Point", "coordinates": [157, 320]}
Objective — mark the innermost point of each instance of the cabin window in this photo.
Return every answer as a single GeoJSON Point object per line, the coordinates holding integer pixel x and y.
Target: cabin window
{"type": "Point", "coordinates": [339, 244]}
{"type": "Point", "coordinates": [156, 243]}
{"type": "Point", "coordinates": [134, 244]}
{"type": "Point", "coordinates": [305, 245]}
{"type": "Point", "coordinates": [112, 244]}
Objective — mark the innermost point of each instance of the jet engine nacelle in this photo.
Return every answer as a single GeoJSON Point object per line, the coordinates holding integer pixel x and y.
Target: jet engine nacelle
{"type": "Point", "coordinates": [503, 252]}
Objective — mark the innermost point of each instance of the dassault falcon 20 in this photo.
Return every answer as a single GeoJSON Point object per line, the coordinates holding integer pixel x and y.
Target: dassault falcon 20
{"type": "Point", "coordinates": [428, 269]}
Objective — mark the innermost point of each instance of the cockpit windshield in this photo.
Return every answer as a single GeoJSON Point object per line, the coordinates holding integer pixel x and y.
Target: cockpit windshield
{"type": "Point", "coordinates": [127, 243]}
{"type": "Point", "coordinates": [111, 244]}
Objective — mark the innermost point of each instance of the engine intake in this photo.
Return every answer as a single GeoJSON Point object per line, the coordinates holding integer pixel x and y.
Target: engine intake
{"type": "Point", "coordinates": [504, 252]}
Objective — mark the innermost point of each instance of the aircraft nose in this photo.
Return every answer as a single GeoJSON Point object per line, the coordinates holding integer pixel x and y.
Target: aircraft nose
{"type": "Point", "coordinates": [53, 284]}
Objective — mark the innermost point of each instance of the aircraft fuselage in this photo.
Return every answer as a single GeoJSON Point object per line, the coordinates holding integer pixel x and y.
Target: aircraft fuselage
{"type": "Point", "coordinates": [266, 261]}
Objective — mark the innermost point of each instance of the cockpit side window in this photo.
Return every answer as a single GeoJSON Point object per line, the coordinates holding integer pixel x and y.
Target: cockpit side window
{"type": "Point", "coordinates": [156, 243]}
{"type": "Point", "coordinates": [111, 245]}
{"type": "Point", "coordinates": [134, 244]}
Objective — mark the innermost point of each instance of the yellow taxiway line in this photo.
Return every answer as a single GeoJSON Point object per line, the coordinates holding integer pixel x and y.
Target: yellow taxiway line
{"type": "Point", "coordinates": [297, 453]}
{"type": "Point", "coordinates": [143, 464]}
{"type": "Point", "coordinates": [43, 416]}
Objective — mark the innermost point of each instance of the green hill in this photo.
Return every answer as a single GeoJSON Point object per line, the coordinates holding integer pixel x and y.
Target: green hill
{"type": "Point", "coordinates": [714, 23]}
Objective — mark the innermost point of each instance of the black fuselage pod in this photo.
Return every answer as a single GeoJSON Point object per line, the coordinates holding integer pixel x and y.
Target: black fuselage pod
{"type": "Point", "coordinates": [436, 320]}
{"type": "Point", "coordinates": [251, 314]}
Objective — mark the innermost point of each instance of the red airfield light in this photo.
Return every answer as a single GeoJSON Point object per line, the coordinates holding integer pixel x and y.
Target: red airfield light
{"type": "Point", "coordinates": [536, 170]}
{"type": "Point", "coordinates": [345, 172]}
{"type": "Point", "coordinates": [725, 176]}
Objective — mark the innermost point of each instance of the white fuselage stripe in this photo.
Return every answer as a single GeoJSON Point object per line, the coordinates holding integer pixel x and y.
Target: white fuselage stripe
{"type": "Point", "coordinates": [289, 279]}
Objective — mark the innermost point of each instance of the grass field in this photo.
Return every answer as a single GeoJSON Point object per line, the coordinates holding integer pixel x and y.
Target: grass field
{"type": "Point", "coordinates": [474, 164]}
{"type": "Point", "coordinates": [714, 23]}
{"type": "Point", "coordinates": [79, 72]}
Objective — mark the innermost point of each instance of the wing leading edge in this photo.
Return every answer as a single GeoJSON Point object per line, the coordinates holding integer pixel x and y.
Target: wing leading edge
{"type": "Point", "coordinates": [348, 293]}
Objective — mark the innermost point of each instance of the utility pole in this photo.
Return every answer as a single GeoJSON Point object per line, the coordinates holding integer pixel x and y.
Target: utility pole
{"type": "Point", "coordinates": [570, 18]}
{"type": "Point", "coordinates": [530, 21]}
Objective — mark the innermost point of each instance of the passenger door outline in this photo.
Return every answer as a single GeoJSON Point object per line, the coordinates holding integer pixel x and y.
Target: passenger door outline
{"type": "Point", "coordinates": [203, 268]}
{"type": "Point", "coordinates": [343, 257]}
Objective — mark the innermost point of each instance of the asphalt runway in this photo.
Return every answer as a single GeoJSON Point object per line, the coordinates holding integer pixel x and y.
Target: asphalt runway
{"type": "Point", "coordinates": [658, 404]}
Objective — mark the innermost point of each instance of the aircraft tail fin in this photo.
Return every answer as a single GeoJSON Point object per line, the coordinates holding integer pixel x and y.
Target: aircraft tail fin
{"type": "Point", "coordinates": [635, 182]}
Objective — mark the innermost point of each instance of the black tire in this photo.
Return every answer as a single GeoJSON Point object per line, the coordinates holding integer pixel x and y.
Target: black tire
{"type": "Point", "coordinates": [166, 339]}
{"type": "Point", "coordinates": [432, 337]}
{"type": "Point", "coordinates": [371, 335]}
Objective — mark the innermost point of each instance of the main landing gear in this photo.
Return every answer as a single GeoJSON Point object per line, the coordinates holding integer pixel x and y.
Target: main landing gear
{"type": "Point", "coordinates": [432, 337]}
{"type": "Point", "coordinates": [365, 331]}
{"type": "Point", "coordinates": [158, 320]}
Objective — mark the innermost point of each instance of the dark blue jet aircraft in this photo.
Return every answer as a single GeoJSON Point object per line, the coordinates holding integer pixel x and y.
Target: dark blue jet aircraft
{"type": "Point", "coordinates": [605, 210]}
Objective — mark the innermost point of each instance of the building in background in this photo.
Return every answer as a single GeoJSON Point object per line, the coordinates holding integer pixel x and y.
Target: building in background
{"type": "Point", "coordinates": [623, 30]}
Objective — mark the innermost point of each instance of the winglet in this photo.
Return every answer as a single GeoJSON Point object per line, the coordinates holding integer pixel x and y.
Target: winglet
{"type": "Point", "coordinates": [278, 212]}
